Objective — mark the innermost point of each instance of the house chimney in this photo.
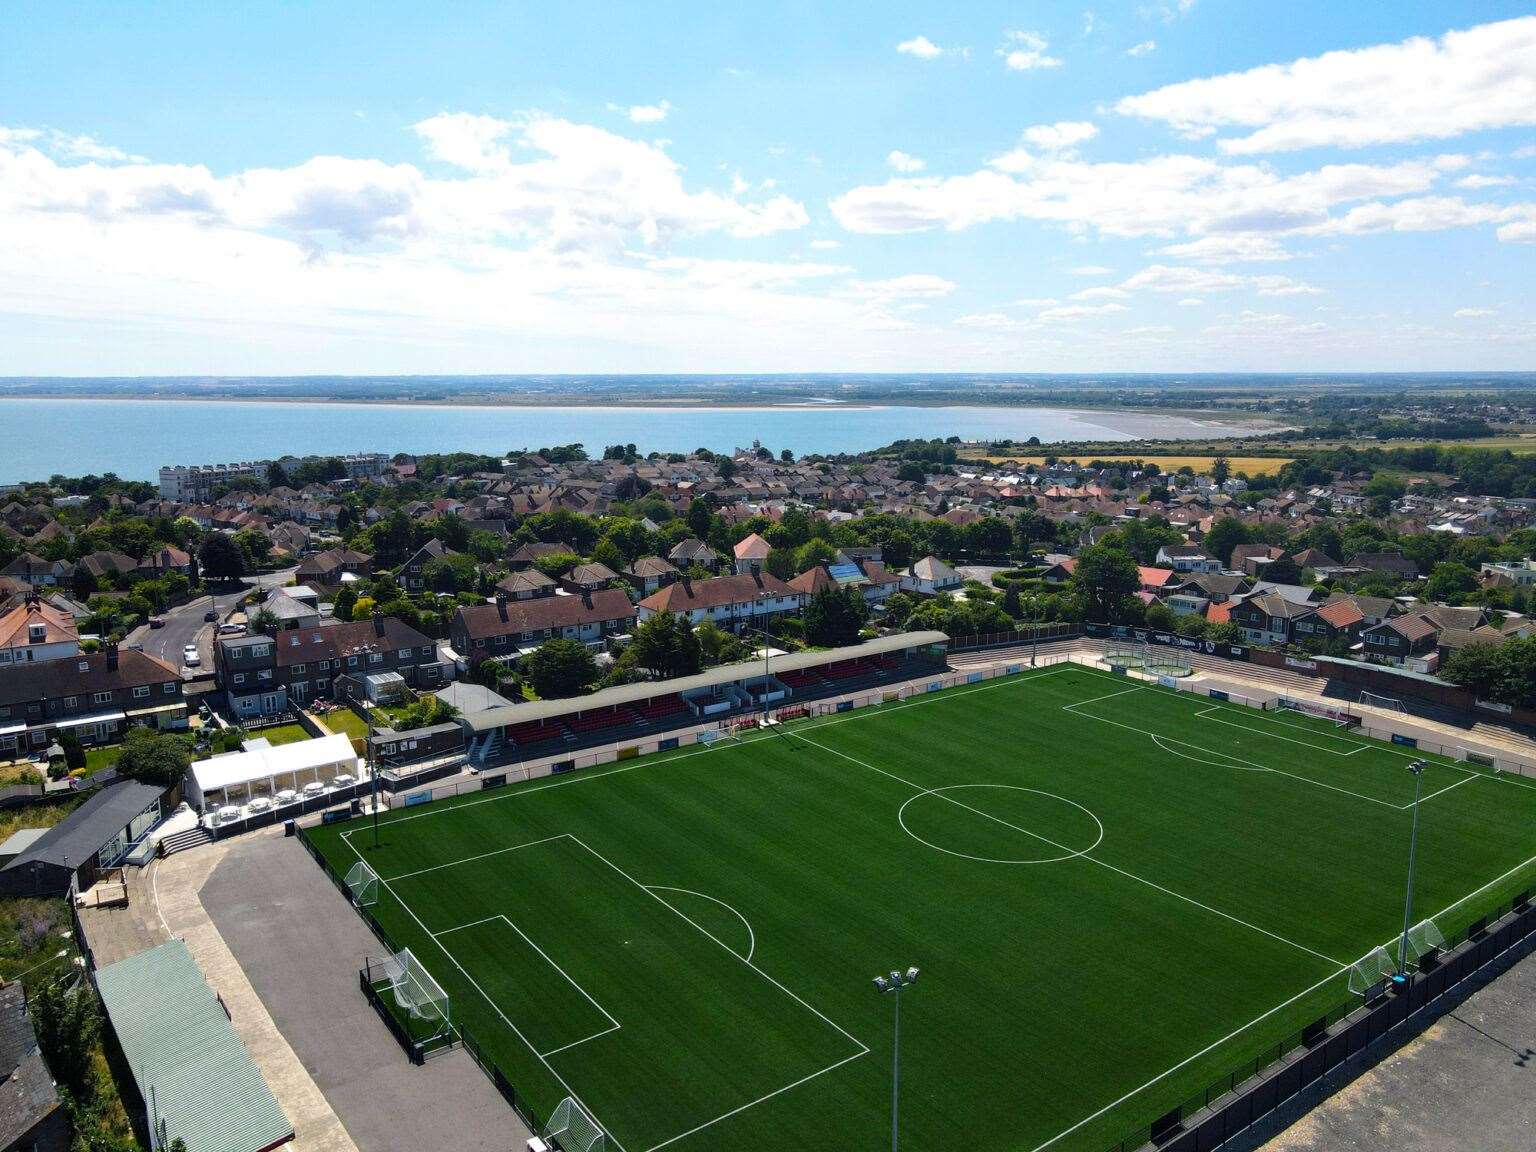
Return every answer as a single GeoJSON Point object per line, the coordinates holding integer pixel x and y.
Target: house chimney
{"type": "Point", "coordinates": [111, 656]}
{"type": "Point", "coordinates": [378, 623]}
{"type": "Point", "coordinates": [586, 597]}
{"type": "Point", "coordinates": [687, 584]}
{"type": "Point", "coordinates": [757, 576]}
{"type": "Point", "coordinates": [501, 606]}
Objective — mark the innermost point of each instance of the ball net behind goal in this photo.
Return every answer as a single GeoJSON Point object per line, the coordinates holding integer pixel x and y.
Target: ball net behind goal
{"type": "Point", "coordinates": [1391, 703]}
{"type": "Point", "coordinates": [573, 1129]}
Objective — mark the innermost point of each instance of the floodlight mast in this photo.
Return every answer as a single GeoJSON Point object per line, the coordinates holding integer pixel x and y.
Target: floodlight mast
{"type": "Point", "coordinates": [894, 983]}
{"type": "Point", "coordinates": [1417, 768]}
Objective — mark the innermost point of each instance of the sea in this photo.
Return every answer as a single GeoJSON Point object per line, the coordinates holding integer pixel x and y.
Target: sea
{"type": "Point", "coordinates": [134, 438]}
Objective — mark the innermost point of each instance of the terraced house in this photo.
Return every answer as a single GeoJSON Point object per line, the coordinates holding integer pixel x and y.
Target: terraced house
{"type": "Point", "coordinates": [507, 629]}
{"type": "Point", "coordinates": [267, 675]}
{"type": "Point", "coordinates": [95, 695]}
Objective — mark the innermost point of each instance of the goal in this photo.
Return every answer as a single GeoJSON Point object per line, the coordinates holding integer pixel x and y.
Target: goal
{"type": "Point", "coordinates": [1337, 716]}
{"type": "Point", "coordinates": [1425, 942]}
{"type": "Point", "coordinates": [415, 992]}
{"type": "Point", "coordinates": [363, 884]}
{"type": "Point", "coordinates": [573, 1129]}
{"type": "Point", "coordinates": [1369, 974]}
{"type": "Point", "coordinates": [1392, 703]}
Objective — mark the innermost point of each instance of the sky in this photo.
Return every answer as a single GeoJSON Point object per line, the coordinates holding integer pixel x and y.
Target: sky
{"type": "Point", "coordinates": [1161, 185]}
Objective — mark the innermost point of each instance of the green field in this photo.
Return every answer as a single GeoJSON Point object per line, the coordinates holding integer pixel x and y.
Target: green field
{"type": "Point", "coordinates": [1117, 895]}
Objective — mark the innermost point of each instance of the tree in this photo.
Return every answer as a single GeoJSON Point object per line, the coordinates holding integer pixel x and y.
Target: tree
{"type": "Point", "coordinates": [264, 621]}
{"type": "Point", "coordinates": [812, 553]}
{"type": "Point", "coordinates": [1450, 581]}
{"type": "Point", "coordinates": [1103, 578]}
{"type": "Point", "coordinates": [666, 646]}
{"type": "Point", "coordinates": [700, 518]}
{"type": "Point", "coordinates": [1161, 617]}
{"type": "Point", "coordinates": [1225, 535]}
{"type": "Point", "coordinates": [276, 477]}
{"type": "Point", "coordinates": [362, 608]}
{"type": "Point", "coordinates": [912, 473]}
{"type": "Point", "coordinates": [726, 466]}
{"type": "Point", "coordinates": [1281, 570]}
{"type": "Point", "coordinates": [1221, 469]}
{"type": "Point", "coordinates": [346, 597]}
{"type": "Point", "coordinates": [152, 757]}
{"type": "Point", "coordinates": [68, 1026]}
{"type": "Point", "coordinates": [787, 456]}
{"type": "Point", "coordinates": [74, 752]}
{"type": "Point", "coordinates": [556, 564]}
{"type": "Point", "coordinates": [607, 552]}
{"type": "Point", "coordinates": [1503, 672]}
{"type": "Point", "coordinates": [220, 557]}
{"type": "Point", "coordinates": [833, 617]}
{"type": "Point", "coordinates": [255, 545]}
{"type": "Point", "coordinates": [1011, 604]}
{"type": "Point", "coordinates": [781, 564]}
{"type": "Point", "coordinates": [559, 668]}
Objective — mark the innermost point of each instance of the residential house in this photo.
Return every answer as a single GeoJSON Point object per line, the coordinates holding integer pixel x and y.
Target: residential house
{"type": "Point", "coordinates": [334, 566]}
{"type": "Point", "coordinates": [1157, 581]}
{"type": "Point", "coordinates": [1187, 558]}
{"type": "Point", "coordinates": [1265, 618]}
{"type": "Point", "coordinates": [1400, 638]}
{"type": "Point", "coordinates": [524, 556]}
{"type": "Point", "coordinates": [526, 585]}
{"type": "Point", "coordinates": [1393, 564]}
{"type": "Point", "coordinates": [33, 1117]}
{"type": "Point", "coordinates": [35, 630]}
{"type": "Point", "coordinates": [413, 571]}
{"type": "Point", "coordinates": [874, 583]}
{"type": "Point", "coordinates": [588, 578]}
{"type": "Point", "coordinates": [691, 553]}
{"type": "Point", "coordinates": [266, 675]}
{"type": "Point", "coordinates": [751, 553]}
{"type": "Point", "coordinates": [1330, 623]}
{"type": "Point", "coordinates": [1250, 559]}
{"type": "Point", "coordinates": [650, 573]}
{"type": "Point", "coordinates": [729, 601]}
{"type": "Point", "coordinates": [36, 571]}
{"type": "Point", "coordinates": [507, 629]}
{"type": "Point", "coordinates": [1511, 574]}
{"type": "Point", "coordinates": [930, 576]}
{"type": "Point", "coordinates": [97, 695]}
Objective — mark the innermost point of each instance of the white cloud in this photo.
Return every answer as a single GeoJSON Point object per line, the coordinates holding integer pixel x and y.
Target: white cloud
{"type": "Point", "coordinates": [1173, 196]}
{"type": "Point", "coordinates": [1080, 311]}
{"type": "Point", "coordinates": [902, 162]}
{"type": "Point", "coordinates": [915, 286]}
{"type": "Point", "coordinates": [1520, 232]}
{"type": "Point", "coordinates": [1472, 313]}
{"type": "Point", "coordinates": [648, 113]}
{"type": "Point", "coordinates": [1104, 292]}
{"type": "Point", "coordinates": [1035, 302]}
{"type": "Point", "coordinates": [1026, 51]}
{"type": "Point", "coordinates": [826, 244]}
{"type": "Point", "coordinates": [1191, 302]}
{"type": "Point", "coordinates": [1475, 182]}
{"type": "Point", "coordinates": [921, 47]}
{"type": "Point", "coordinates": [1422, 214]}
{"type": "Point", "coordinates": [989, 322]}
{"type": "Point", "coordinates": [1090, 270]}
{"type": "Point", "coordinates": [1229, 248]}
{"type": "Point", "coordinates": [1145, 48]}
{"type": "Point", "coordinates": [1174, 278]}
{"type": "Point", "coordinates": [1420, 89]}
{"type": "Point", "coordinates": [1062, 135]}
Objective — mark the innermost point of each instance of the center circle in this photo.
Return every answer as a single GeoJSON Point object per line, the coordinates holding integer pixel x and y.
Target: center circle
{"type": "Point", "coordinates": [1052, 848]}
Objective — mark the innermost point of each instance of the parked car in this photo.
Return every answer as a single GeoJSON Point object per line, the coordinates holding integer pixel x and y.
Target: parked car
{"type": "Point", "coordinates": [231, 629]}
{"type": "Point", "coordinates": [189, 656]}
{"type": "Point", "coordinates": [157, 621]}
{"type": "Point", "coordinates": [210, 616]}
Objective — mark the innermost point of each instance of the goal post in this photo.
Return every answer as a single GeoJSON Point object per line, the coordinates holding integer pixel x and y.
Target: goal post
{"type": "Point", "coordinates": [415, 992]}
{"type": "Point", "coordinates": [571, 1127]}
{"type": "Point", "coordinates": [1425, 943]}
{"type": "Point", "coordinates": [1390, 703]}
{"type": "Point", "coordinates": [363, 884]}
{"type": "Point", "coordinates": [1338, 716]}
{"type": "Point", "coordinates": [1369, 974]}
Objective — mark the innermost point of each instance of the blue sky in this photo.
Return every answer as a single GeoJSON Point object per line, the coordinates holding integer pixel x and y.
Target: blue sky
{"type": "Point", "coordinates": [1175, 185]}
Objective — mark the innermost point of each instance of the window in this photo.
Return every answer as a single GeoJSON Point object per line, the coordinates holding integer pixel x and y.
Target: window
{"type": "Point", "coordinates": [71, 701]}
{"type": "Point", "coordinates": [480, 643]}
{"type": "Point", "coordinates": [169, 689]}
{"type": "Point", "coordinates": [298, 669]}
{"type": "Point", "coordinates": [405, 653]}
{"type": "Point", "coordinates": [351, 661]}
{"type": "Point", "coordinates": [239, 677]}
{"type": "Point", "coordinates": [264, 674]}
{"type": "Point", "coordinates": [375, 657]}
{"type": "Point", "coordinates": [101, 698]}
{"type": "Point", "coordinates": [141, 691]}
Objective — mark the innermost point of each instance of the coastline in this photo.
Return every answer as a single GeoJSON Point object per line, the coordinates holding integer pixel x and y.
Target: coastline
{"type": "Point", "coordinates": [1252, 423]}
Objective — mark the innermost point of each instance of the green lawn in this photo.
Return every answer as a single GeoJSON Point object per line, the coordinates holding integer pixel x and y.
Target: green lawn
{"type": "Point", "coordinates": [97, 759]}
{"type": "Point", "coordinates": [282, 734]}
{"type": "Point", "coordinates": [1117, 895]}
{"type": "Point", "coordinates": [346, 721]}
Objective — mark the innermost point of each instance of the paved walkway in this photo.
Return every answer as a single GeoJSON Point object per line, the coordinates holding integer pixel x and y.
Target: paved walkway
{"type": "Point", "coordinates": [1468, 1083]}
{"type": "Point", "coordinates": [301, 944]}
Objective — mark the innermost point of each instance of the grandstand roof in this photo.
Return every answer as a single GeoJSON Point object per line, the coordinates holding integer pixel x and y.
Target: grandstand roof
{"type": "Point", "coordinates": [725, 674]}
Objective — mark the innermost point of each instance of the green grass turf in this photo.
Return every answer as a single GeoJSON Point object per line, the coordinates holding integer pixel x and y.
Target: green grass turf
{"type": "Point", "coordinates": [1245, 859]}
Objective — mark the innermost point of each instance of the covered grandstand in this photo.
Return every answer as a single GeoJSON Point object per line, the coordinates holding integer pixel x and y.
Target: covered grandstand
{"type": "Point", "coordinates": [543, 728]}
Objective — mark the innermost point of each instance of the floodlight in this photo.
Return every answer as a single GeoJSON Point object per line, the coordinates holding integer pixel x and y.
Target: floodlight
{"type": "Point", "coordinates": [881, 984]}
{"type": "Point", "coordinates": [911, 975]}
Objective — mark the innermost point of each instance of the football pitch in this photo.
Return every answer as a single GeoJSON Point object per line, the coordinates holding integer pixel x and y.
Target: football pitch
{"type": "Point", "coordinates": [1116, 893]}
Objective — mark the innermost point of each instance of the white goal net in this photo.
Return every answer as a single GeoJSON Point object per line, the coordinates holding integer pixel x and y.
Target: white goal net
{"type": "Point", "coordinates": [573, 1129]}
{"type": "Point", "coordinates": [363, 884]}
{"type": "Point", "coordinates": [1369, 972]}
{"type": "Point", "coordinates": [1391, 703]}
{"type": "Point", "coordinates": [414, 990]}
{"type": "Point", "coordinates": [1424, 939]}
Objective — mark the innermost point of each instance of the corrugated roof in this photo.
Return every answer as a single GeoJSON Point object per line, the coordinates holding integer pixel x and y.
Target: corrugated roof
{"type": "Point", "coordinates": [725, 674]}
{"type": "Point", "coordinates": [185, 1055]}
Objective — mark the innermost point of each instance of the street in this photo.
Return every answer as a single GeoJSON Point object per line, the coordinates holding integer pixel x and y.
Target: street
{"type": "Point", "coordinates": [185, 625]}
